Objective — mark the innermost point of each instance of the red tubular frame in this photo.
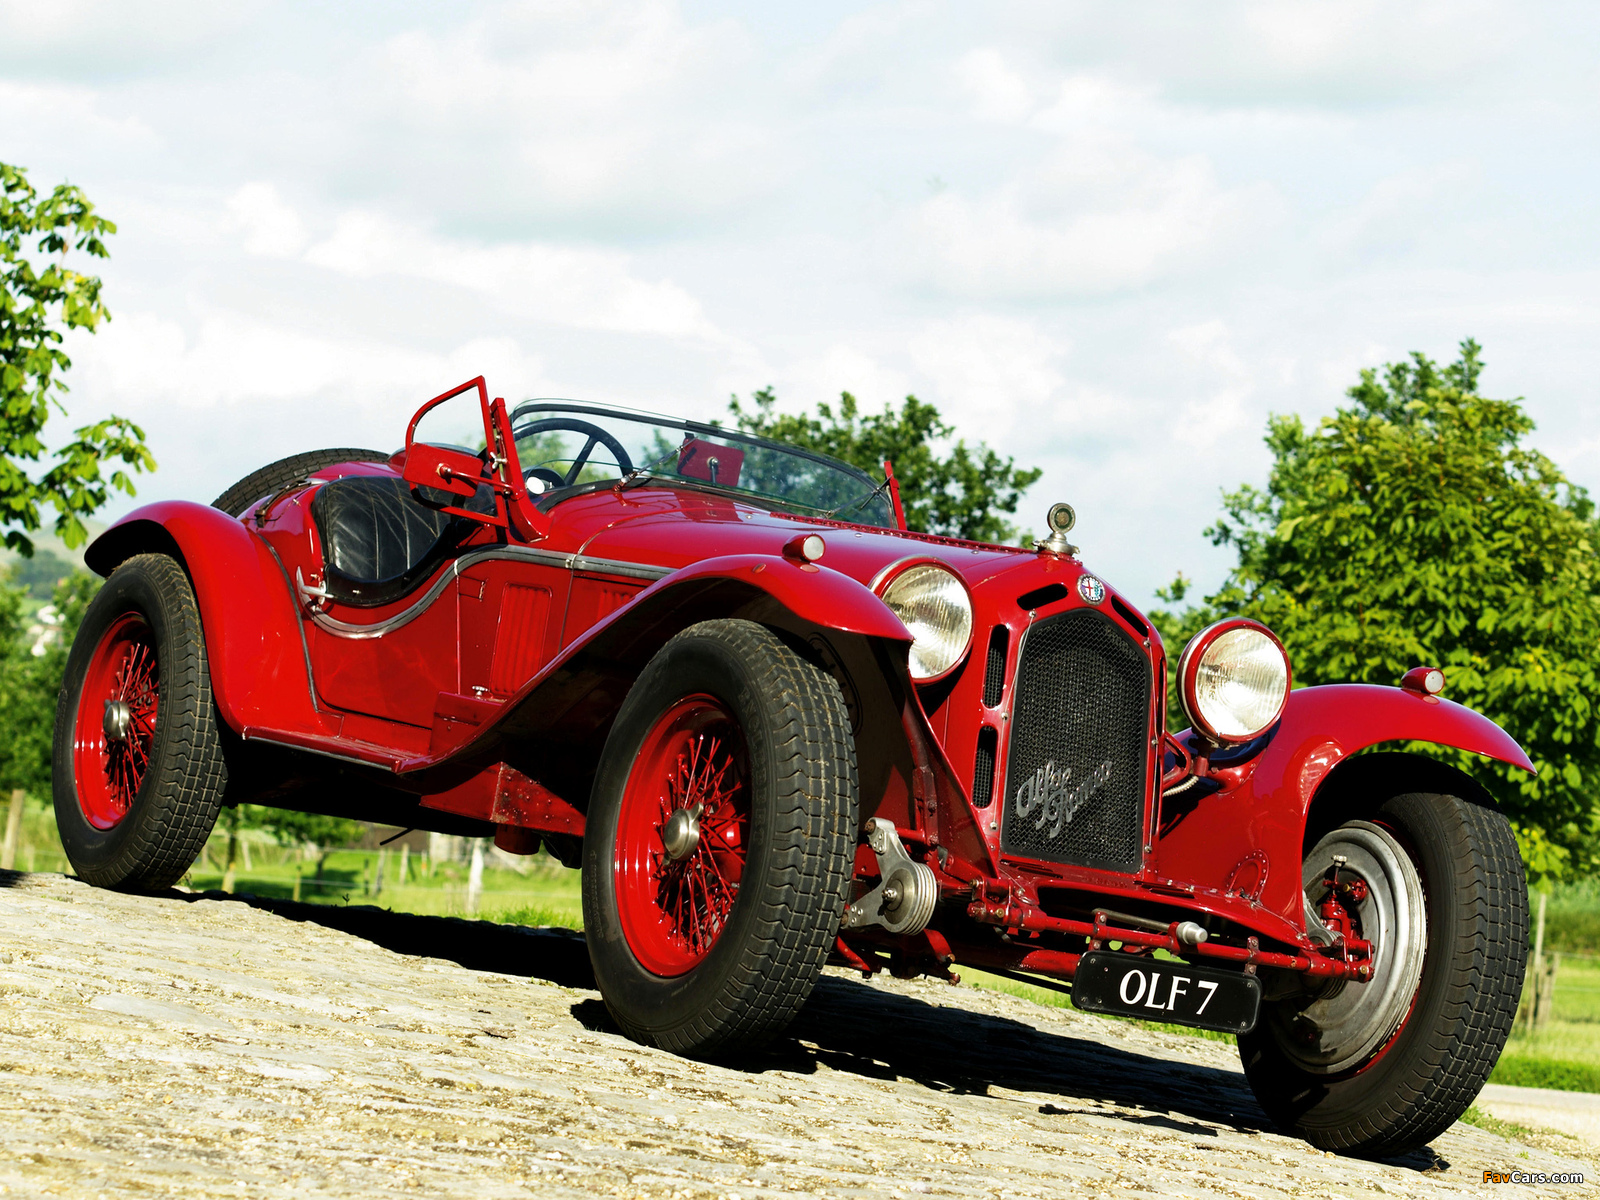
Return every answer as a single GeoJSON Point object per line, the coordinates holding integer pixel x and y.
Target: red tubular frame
{"type": "Point", "coordinates": [1031, 920]}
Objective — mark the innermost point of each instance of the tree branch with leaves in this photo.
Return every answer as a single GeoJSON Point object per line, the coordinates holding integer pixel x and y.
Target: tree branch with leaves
{"type": "Point", "coordinates": [965, 492]}
{"type": "Point", "coordinates": [41, 294]}
{"type": "Point", "coordinates": [1416, 527]}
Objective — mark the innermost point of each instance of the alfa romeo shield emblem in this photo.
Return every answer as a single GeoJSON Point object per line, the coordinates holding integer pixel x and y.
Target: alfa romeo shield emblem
{"type": "Point", "coordinates": [1091, 589]}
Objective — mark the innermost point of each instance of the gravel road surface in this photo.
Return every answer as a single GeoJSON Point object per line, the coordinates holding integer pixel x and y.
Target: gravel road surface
{"type": "Point", "coordinates": [205, 1046]}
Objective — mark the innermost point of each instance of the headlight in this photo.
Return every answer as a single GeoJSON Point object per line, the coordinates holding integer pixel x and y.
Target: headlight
{"type": "Point", "coordinates": [1234, 680]}
{"type": "Point", "coordinates": [933, 604]}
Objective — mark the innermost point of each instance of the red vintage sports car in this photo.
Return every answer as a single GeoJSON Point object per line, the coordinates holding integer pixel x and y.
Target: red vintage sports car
{"type": "Point", "coordinates": [777, 729]}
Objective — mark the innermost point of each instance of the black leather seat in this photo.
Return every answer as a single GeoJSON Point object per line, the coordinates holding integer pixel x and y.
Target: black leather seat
{"type": "Point", "coordinates": [378, 541]}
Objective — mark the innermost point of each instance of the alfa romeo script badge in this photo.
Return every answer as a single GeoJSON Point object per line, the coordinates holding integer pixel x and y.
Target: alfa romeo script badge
{"type": "Point", "coordinates": [1091, 589]}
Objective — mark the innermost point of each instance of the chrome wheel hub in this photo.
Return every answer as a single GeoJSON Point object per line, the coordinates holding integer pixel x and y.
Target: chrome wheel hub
{"type": "Point", "coordinates": [1345, 1024]}
{"type": "Point", "coordinates": [118, 719]}
{"type": "Point", "coordinates": [681, 834]}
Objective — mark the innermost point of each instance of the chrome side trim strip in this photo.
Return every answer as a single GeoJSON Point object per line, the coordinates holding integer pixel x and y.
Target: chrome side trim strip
{"type": "Point", "coordinates": [611, 566]}
{"type": "Point", "coordinates": [549, 558]}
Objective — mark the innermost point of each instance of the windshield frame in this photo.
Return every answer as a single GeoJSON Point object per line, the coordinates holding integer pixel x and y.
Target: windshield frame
{"type": "Point", "coordinates": [545, 406]}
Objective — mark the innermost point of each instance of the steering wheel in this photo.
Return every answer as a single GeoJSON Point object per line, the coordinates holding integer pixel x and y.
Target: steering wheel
{"type": "Point", "coordinates": [572, 425]}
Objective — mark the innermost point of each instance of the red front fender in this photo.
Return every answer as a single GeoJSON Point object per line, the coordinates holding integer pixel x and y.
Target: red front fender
{"type": "Point", "coordinates": [1247, 840]}
{"type": "Point", "coordinates": [815, 594]}
{"type": "Point", "coordinates": [253, 646]}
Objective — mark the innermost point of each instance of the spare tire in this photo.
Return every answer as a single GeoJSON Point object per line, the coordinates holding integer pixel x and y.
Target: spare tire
{"type": "Point", "coordinates": [236, 501]}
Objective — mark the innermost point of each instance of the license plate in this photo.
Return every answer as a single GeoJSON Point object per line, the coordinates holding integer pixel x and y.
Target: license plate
{"type": "Point", "coordinates": [1166, 991]}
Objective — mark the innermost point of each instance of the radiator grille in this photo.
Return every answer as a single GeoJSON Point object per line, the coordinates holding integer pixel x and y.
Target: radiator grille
{"type": "Point", "coordinates": [1075, 775]}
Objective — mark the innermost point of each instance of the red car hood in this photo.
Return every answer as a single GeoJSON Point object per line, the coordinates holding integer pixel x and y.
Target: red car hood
{"type": "Point", "coordinates": [677, 527]}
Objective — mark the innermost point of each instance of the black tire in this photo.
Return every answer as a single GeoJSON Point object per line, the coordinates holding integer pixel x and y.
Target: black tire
{"type": "Point", "coordinates": [238, 499]}
{"type": "Point", "coordinates": [149, 603]}
{"type": "Point", "coordinates": [1415, 1085]}
{"type": "Point", "coordinates": [800, 790]}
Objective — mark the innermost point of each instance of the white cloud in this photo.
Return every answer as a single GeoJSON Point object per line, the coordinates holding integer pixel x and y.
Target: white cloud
{"type": "Point", "coordinates": [269, 225]}
{"type": "Point", "coordinates": [33, 116]}
{"type": "Point", "coordinates": [585, 288]}
{"type": "Point", "coordinates": [992, 374]}
{"type": "Point", "coordinates": [142, 362]}
{"type": "Point", "coordinates": [1092, 219]}
{"type": "Point", "coordinates": [83, 37]}
{"type": "Point", "coordinates": [1404, 210]}
{"type": "Point", "coordinates": [1220, 414]}
{"type": "Point", "coordinates": [998, 91]}
{"type": "Point", "coordinates": [569, 109]}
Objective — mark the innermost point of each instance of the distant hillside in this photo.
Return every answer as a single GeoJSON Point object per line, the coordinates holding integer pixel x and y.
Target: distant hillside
{"type": "Point", "coordinates": [50, 562]}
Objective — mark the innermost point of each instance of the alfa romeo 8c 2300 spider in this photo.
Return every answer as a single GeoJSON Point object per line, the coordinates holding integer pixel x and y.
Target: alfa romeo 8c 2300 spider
{"type": "Point", "coordinates": [777, 729]}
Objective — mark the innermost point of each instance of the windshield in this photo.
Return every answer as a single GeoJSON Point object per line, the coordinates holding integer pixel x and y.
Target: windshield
{"type": "Point", "coordinates": [563, 444]}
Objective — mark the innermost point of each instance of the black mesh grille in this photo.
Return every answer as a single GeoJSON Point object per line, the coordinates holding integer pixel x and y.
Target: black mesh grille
{"type": "Point", "coordinates": [1075, 779]}
{"type": "Point", "coordinates": [994, 669]}
{"type": "Point", "coordinates": [983, 767]}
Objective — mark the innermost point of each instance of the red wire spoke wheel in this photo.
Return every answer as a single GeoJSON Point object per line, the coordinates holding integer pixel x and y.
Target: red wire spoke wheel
{"type": "Point", "coordinates": [116, 724]}
{"type": "Point", "coordinates": [682, 834]}
{"type": "Point", "coordinates": [719, 841]}
{"type": "Point", "coordinates": [137, 767]}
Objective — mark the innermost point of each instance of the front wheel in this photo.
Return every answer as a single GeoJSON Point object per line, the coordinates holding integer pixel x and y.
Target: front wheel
{"type": "Point", "coordinates": [719, 841]}
{"type": "Point", "coordinates": [1383, 1067]}
{"type": "Point", "coordinates": [137, 767]}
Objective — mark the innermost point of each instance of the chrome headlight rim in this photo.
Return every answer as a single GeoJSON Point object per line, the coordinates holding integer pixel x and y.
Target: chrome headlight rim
{"type": "Point", "coordinates": [883, 583]}
{"type": "Point", "coordinates": [1189, 671]}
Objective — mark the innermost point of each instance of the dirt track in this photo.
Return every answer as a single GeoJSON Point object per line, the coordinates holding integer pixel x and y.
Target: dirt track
{"type": "Point", "coordinates": [204, 1047]}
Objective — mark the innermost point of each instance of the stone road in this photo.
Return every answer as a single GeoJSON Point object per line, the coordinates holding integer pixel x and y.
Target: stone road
{"type": "Point", "coordinates": [200, 1046]}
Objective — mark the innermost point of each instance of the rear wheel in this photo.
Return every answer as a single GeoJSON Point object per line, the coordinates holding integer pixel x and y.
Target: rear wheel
{"type": "Point", "coordinates": [1383, 1067]}
{"type": "Point", "coordinates": [257, 485]}
{"type": "Point", "coordinates": [719, 841]}
{"type": "Point", "coordinates": [137, 768]}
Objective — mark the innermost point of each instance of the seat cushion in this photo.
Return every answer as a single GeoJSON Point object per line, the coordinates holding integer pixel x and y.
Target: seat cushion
{"type": "Point", "coordinates": [378, 541]}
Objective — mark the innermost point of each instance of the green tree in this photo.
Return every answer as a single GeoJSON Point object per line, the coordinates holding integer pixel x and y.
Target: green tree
{"type": "Point", "coordinates": [965, 492]}
{"type": "Point", "coordinates": [1414, 527]}
{"type": "Point", "coordinates": [29, 683]}
{"type": "Point", "coordinates": [40, 295]}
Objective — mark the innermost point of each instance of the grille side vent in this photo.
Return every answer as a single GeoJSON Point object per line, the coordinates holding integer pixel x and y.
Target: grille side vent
{"type": "Point", "coordinates": [1131, 617]}
{"type": "Point", "coordinates": [994, 670]}
{"type": "Point", "coordinates": [983, 769]}
{"type": "Point", "coordinates": [1078, 753]}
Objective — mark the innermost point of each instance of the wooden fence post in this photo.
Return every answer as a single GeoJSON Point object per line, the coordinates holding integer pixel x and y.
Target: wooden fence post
{"type": "Point", "coordinates": [8, 855]}
{"type": "Point", "coordinates": [1539, 989]}
{"type": "Point", "coordinates": [475, 878]}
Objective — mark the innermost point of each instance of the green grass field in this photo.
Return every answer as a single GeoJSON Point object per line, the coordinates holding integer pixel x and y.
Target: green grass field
{"type": "Point", "coordinates": [543, 893]}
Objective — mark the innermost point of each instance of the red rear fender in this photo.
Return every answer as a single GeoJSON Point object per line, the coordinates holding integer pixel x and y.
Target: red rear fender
{"type": "Point", "coordinates": [1248, 839]}
{"type": "Point", "coordinates": [253, 641]}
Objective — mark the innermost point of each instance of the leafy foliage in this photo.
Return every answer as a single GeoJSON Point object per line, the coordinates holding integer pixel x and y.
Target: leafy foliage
{"type": "Point", "coordinates": [29, 683]}
{"type": "Point", "coordinates": [292, 828]}
{"type": "Point", "coordinates": [1414, 527]}
{"type": "Point", "coordinates": [38, 299]}
{"type": "Point", "coordinates": [968, 492]}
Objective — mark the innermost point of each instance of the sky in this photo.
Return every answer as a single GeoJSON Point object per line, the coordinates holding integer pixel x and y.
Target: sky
{"type": "Point", "coordinates": [1106, 239]}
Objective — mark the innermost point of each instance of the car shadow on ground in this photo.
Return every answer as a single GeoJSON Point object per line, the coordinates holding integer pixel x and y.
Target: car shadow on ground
{"type": "Point", "coordinates": [849, 1026]}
